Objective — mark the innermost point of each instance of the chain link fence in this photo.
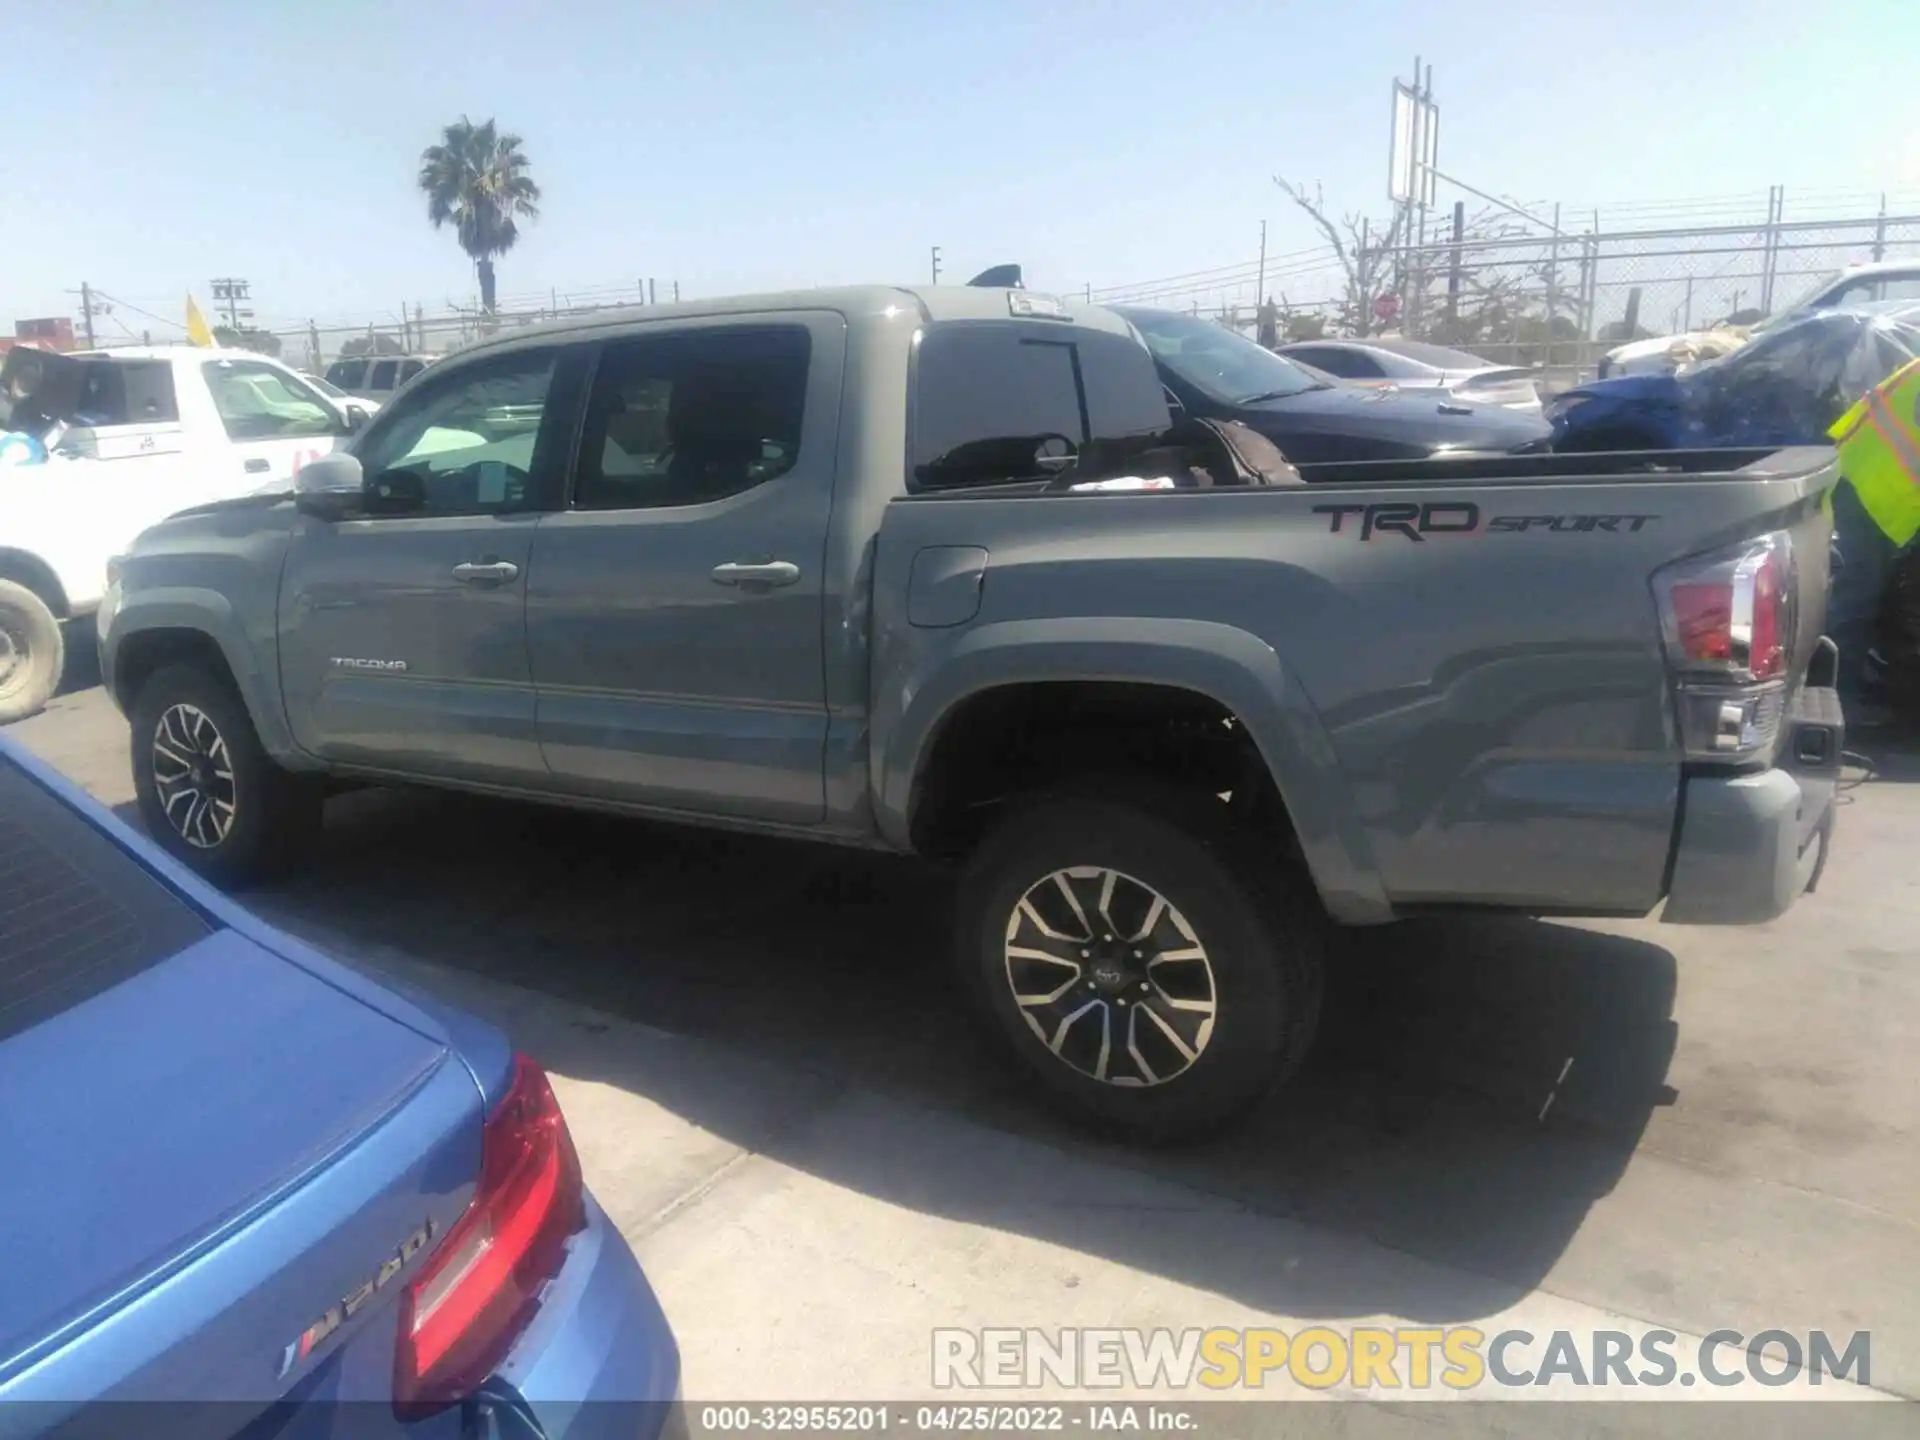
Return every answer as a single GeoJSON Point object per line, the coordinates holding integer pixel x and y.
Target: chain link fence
{"type": "Point", "coordinates": [1555, 302]}
{"type": "Point", "coordinates": [1561, 301]}
{"type": "Point", "coordinates": [421, 331]}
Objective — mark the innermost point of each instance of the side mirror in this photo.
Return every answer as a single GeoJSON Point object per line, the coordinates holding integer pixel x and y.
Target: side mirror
{"type": "Point", "coordinates": [329, 488]}
{"type": "Point", "coordinates": [357, 419]}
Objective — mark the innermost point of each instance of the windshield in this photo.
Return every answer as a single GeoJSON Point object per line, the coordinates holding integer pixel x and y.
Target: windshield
{"type": "Point", "coordinates": [1219, 362]}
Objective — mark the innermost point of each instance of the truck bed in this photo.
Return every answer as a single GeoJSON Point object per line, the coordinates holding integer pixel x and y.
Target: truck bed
{"type": "Point", "coordinates": [1482, 665]}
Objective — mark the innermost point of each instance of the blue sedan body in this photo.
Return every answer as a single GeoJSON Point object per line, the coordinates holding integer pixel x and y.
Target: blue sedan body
{"type": "Point", "coordinates": [231, 1165]}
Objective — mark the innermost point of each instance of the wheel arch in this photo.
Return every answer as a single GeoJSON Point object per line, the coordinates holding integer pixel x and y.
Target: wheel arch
{"type": "Point", "coordinates": [192, 626]}
{"type": "Point", "coordinates": [1238, 674]}
{"type": "Point", "coordinates": [23, 567]}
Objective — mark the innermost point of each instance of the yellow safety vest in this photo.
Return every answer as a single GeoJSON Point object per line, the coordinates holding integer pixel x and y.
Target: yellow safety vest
{"type": "Point", "coordinates": [1879, 440]}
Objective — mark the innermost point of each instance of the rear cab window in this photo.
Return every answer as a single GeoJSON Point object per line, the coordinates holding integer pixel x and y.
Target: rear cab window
{"type": "Point", "coordinates": [1000, 402]}
{"type": "Point", "coordinates": [127, 392]}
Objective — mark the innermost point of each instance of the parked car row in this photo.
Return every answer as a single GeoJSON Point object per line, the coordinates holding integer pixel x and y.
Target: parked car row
{"type": "Point", "coordinates": [1400, 364]}
{"type": "Point", "coordinates": [1891, 282]}
{"type": "Point", "coordinates": [375, 377]}
{"type": "Point", "coordinates": [1212, 372]}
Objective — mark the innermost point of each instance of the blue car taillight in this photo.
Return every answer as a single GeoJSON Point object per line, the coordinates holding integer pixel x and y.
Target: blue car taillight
{"type": "Point", "coordinates": [478, 1290]}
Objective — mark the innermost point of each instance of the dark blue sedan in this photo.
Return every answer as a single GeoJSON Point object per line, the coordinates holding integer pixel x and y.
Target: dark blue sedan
{"type": "Point", "coordinates": [1785, 387]}
{"type": "Point", "coordinates": [236, 1173]}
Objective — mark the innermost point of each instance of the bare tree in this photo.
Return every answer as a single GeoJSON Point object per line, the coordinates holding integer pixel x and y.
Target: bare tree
{"type": "Point", "coordinates": [1367, 257]}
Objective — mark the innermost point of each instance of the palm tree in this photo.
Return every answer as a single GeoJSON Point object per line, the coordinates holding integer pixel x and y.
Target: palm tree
{"type": "Point", "coordinates": [477, 180]}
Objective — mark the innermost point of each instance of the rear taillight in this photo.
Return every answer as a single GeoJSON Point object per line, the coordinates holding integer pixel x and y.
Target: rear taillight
{"type": "Point", "coordinates": [1729, 624]}
{"type": "Point", "coordinates": [479, 1289]}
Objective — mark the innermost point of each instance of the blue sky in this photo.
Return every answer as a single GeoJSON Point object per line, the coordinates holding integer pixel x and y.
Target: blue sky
{"type": "Point", "coordinates": [757, 145]}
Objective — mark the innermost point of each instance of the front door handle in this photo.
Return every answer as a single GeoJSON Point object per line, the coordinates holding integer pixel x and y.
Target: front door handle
{"type": "Point", "coordinates": [763, 572]}
{"type": "Point", "coordinates": [486, 572]}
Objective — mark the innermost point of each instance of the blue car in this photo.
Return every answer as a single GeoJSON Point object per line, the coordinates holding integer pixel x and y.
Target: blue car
{"type": "Point", "coordinates": [238, 1174]}
{"type": "Point", "coordinates": [1785, 387]}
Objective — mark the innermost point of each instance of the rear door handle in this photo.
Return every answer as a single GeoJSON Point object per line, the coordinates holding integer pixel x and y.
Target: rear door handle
{"type": "Point", "coordinates": [486, 572]}
{"type": "Point", "coordinates": [763, 572]}
{"type": "Point", "coordinates": [258, 467]}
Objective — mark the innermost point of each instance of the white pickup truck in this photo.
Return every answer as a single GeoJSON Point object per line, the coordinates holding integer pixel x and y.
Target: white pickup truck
{"type": "Point", "coordinates": [130, 436]}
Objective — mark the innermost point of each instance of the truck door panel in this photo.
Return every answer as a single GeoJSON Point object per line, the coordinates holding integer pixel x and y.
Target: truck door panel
{"type": "Point", "coordinates": [403, 635]}
{"type": "Point", "coordinates": [674, 609]}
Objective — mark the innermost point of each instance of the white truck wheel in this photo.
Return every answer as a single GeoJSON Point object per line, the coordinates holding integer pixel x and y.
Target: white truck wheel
{"type": "Point", "coordinates": [33, 653]}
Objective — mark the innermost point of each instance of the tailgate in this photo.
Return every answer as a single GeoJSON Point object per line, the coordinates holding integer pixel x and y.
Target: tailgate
{"type": "Point", "coordinates": [207, 1146]}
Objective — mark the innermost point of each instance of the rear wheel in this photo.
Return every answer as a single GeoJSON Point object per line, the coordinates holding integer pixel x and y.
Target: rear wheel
{"type": "Point", "coordinates": [33, 653]}
{"type": "Point", "coordinates": [1136, 964]}
{"type": "Point", "coordinates": [208, 792]}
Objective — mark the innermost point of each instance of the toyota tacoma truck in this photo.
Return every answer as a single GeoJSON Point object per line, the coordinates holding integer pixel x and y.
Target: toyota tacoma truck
{"type": "Point", "coordinates": [929, 570]}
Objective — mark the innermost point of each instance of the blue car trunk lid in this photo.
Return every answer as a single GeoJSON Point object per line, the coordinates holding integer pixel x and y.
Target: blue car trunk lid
{"type": "Point", "coordinates": [179, 1107]}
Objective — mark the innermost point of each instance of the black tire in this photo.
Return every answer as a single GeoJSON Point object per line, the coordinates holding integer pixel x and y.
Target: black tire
{"type": "Point", "coordinates": [1260, 930]}
{"type": "Point", "coordinates": [270, 814]}
{"type": "Point", "coordinates": [33, 653]}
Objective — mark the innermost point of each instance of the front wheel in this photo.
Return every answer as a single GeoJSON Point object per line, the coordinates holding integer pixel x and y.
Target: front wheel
{"type": "Point", "coordinates": [208, 791]}
{"type": "Point", "coordinates": [32, 653]}
{"type": "Point", "coordinates": [1150, 978]}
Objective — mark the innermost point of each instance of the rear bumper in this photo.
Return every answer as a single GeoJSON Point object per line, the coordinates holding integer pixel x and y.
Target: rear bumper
{"type": "Point", "coordinates": [598, 1359]}
{"type": "Point", "coordinates": [1750, 845]}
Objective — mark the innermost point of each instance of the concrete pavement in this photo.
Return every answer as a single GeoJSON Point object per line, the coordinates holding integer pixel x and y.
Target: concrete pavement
{"type": "Point", "coordinates": [1615, 1126]}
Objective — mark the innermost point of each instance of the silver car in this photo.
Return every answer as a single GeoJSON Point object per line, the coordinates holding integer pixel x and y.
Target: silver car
{"type": "Point", "coordinates": [1416, 365]}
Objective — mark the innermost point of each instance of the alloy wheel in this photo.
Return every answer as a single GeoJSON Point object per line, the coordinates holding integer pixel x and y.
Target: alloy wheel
{"type": "Point", "coordinates": [193, 776]}
{"type": "Point", "coordinates": [1109, 975]}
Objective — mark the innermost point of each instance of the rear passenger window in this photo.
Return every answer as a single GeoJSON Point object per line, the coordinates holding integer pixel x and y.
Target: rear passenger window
{"type": "Point", "coordinates": [691, 417]}
{"type": "Point", "coordinates": [998, 402]}
{"type": "Point", "coordinates": [409, 369]}
{"type": "Point", "coordinates": [382, 376]}
{"type": "Point", "coordinates": [1345, 364]}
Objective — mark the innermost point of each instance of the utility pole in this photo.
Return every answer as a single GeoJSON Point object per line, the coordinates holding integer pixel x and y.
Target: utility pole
{"type": "Point", "coordinates": [231, 292]}
{"type": "Point", "coordinates": [1260, 288]}
{"type": "Point", "coordinates": [676, 292]}
{"type": "Point", "coordinates": [936, 264]}
{"type": "Point", "coordinates": [86, 311]}
{"type": "Point", "coordinates": [1453, 260]}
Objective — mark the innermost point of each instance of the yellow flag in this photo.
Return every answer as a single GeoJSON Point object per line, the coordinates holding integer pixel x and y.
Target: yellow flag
{"type": "Point", "coordinates": [197, 330]}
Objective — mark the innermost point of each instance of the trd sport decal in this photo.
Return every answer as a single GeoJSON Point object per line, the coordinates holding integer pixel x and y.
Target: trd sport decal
{"type": "Point", "coordinates": [1462, 517]}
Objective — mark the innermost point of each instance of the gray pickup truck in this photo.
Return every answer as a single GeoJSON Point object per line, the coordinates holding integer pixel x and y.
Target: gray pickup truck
{"type": "Point", "coordinates": [834, 565]}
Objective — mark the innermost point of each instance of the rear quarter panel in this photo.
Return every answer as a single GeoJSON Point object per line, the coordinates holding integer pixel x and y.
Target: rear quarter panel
{"type": "Point", "coordinates": [1476, 717]}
